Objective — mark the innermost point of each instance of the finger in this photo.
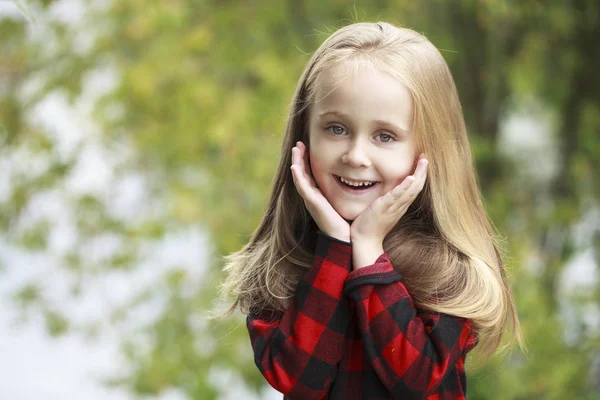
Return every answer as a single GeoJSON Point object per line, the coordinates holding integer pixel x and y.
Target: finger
{"type": "Point", "coordinates": [298, 159]}
{"type": "Point", "coordinates": [421, 169]}
{"type": "Point", "coordinates": [303, 185]}
{"type": "Point", "coordinates": [404, 194]}
{"type": "Point", "coordinates": [396, 197]}
{"type": "Point", "coordinates": [298, 181]}
{"type": "Point", "coordinates": [304, 155]}
{"type": "Point", "coordinates": [295, 154]}
{"type": "Point", "coordinates": [424, 176]}
{"type": "Point", "coordinates": [294, 178]}
{"type": "Point", "coordinates": [400, 191]}
{"type": "Point", "coordinates": [420, 176]}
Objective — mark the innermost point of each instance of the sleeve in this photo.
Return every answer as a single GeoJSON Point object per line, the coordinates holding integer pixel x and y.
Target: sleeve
{"type": "Point", "coordinates": [411, 352]}
{"type": "Point", "coordinates": [298, 350]}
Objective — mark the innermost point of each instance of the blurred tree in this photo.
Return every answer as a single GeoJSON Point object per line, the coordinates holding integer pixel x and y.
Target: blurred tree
{"type": "Point", "coordinates": [203, 93]}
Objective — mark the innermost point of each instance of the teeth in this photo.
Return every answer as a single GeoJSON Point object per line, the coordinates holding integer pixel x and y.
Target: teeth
{"type": "Point", "coordinates": [356, 184]}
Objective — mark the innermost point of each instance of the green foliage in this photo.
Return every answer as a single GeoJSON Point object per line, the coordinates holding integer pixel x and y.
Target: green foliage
{"type": "Point", "coordinates": [56, 324]}
{"type": "Point", "coordinates": [202, 96]}
{"type": "Point", "coordinates": [27, 295]}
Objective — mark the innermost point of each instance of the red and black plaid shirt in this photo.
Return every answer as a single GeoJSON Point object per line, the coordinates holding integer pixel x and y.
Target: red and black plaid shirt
{"type": "Point", "coordinates": [357, 335]}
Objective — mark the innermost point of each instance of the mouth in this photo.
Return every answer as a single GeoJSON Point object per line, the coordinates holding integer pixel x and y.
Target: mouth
{"type": "Point", "coordinates": [355, 188]}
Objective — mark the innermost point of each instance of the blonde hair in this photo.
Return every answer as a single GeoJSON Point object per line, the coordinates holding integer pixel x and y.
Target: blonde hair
{"type": "Point", "coordinates": [444, 245]}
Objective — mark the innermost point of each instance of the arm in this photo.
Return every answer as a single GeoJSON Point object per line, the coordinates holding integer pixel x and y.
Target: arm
{"type": "Point", "coordinates": [297, 351]}
{"type": "Point", "coordinates": [411, 353]}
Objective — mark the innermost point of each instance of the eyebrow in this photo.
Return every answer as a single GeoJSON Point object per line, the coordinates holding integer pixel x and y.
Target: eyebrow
{"type": "Point", "coordinates": [377, 121]}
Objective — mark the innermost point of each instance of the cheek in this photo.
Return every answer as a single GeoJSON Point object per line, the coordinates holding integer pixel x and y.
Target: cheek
{"type": "Point", "coordinates": [316, 169]}
{"type": "Point", "coordinates": [318, 161]}
{"type": "Point", "coordinates": [394, 176]}
{"type": "Point", "coordinates": [314, 161]}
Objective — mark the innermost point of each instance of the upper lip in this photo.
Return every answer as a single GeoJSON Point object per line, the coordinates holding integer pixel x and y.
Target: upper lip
{"type": "Point", "coordinates": [356, 180]}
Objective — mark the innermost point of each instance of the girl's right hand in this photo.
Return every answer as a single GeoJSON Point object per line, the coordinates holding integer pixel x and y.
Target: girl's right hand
{"type": "Point", "coordinates": [327, 219]}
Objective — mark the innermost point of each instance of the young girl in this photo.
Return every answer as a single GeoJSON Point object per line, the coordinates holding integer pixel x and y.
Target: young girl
{"type": "Point", "coordinates": [374, 270]}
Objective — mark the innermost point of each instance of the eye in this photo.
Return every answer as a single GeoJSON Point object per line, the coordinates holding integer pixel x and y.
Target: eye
{"type": "Point", "coordinates": [385, 138]}
{"type": "Point", "coordinates": [336, 130]}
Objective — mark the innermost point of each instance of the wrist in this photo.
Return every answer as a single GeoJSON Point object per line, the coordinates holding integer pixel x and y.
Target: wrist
{"type": "Point", "coordinates": [345, 237]}
{"type": "Point", "coordinates": [366, 242]}
{"type": "Point", "coordinates": [337, 236]}
{"type": "Point", "coordinates": [365, 253]}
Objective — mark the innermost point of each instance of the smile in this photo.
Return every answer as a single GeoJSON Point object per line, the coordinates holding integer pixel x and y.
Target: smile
{"type": "Point", "coordinates": [355, 187]}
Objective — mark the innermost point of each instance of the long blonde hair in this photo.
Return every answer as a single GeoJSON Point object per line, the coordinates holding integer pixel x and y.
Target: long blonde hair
{"type": "Point", "coordinates": [444, 245]}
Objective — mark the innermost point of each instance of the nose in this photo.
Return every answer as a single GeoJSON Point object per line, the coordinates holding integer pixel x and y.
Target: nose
{"type": "Point", "coordinates": [356, 155]}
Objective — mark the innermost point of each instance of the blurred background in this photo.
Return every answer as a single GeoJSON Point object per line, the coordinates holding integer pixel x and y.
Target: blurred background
{"type": "Point", "coordinates": [138, 140]}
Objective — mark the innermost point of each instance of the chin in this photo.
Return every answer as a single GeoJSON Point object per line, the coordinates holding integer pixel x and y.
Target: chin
{"type": "Point", "coordinates": [350, 214]}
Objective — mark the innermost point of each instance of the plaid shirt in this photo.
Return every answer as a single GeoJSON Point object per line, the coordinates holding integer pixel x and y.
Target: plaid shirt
{"type": "Point", "coordinates": [357, 335]}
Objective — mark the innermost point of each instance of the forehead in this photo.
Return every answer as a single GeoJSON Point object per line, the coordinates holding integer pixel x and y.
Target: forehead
{"type": "Point", "coordinates": [362, 91]}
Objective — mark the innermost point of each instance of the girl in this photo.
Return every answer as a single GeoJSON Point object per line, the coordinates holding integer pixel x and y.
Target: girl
{"type": "Point", "coordinates": [374, 270]}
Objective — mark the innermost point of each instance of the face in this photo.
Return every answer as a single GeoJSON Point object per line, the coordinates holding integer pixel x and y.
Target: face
{"type": "Point", "coordinates": [360, 133]}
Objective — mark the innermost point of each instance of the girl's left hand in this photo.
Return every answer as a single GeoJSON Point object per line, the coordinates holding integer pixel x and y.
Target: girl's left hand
{"type": "Point", "coordinates": [377, 220]}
